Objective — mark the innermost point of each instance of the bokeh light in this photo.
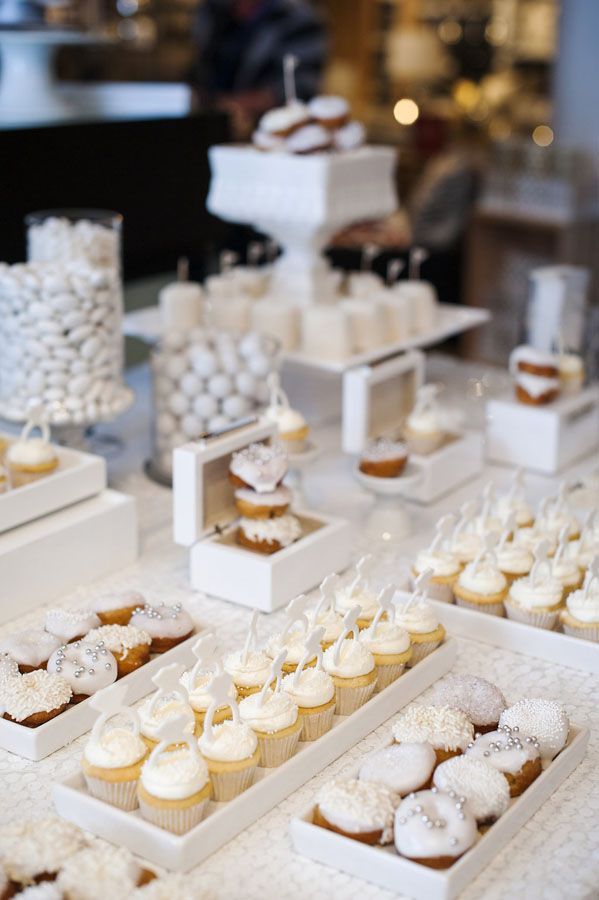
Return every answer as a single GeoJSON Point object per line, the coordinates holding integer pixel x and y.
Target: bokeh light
{"type": "Point", "coordinates": [543, 136]}
{"type": "Point", "coordinates": [406, 111]}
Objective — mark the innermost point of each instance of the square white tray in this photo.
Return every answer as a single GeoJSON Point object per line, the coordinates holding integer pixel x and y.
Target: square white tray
{"type": "Point", "coordinates": [225, 820]}
{"type": "Point", "coordinates": [459, 460]}
{"type": "Point", "coordinates": [37, 743]}
{"type": "Point", "coordinates": [383, 867]}
{"type": "Point", "coordinates": [79, 475]}
{"type": "Point", "coordinates": [552, 646]}
{"type": "Point", "coordinates": [53, 555]}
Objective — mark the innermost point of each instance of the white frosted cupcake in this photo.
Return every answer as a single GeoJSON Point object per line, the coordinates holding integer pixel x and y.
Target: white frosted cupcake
{"type": "Point", "coordinates": [359, 592]}
{"type": "Point", "coordinates": [537, 598]}
{"type": "Point", "coordinates": [466, 545]}
{"type": "Point", "coordinates": [443, 565]}
{"type": "Point", "coordinates": [274, 718]}
{"type": "Point", "coordinates": [231, 748]}
{"type": "Point", "coordinates": [513, 503]}
{"type": "Point", "coordinates": [580, 618]}
{"type": "Point", "coordinates": [388, 642]}
{"type": "Point", "coordinates": [174, 788]}
{"type": "Point", "coordinates": [514, 561]}
{"type": "Point", "coordinates": [424, 428]}
{"type": "Point", "coordinates": [351, 666]}
{"type": "Point", "coordinates": [312, 690]}
{"type": "Point", "coordinates": [30, 458]}
{"type": "Point", "coordinates": [113, 757]}
{"type": "Point", "coordinates": [421, 622]}
{"type": "Point", "coordinates": [197, 683]}
{"type": "Point", "coordinates": [294, 644]}
{"type": "Point", "coordinates": [325, 614]}
{"type": "Point", "coordinates": [248, 670]}
{"type": "Point", "coordinates": [167, 703]}
{"type": "Point", "coordinates": [100, 871]}
{"type": "Point", "coordinates": [481, 585]}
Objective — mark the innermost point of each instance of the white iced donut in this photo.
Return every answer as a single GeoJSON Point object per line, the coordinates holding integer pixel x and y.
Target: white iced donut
{"type": "Point", "coordinates": [402, 768]}
{"type": "Point", "coordinates": [546, 720]}
{"type": "Point", "coordinates": [432, 824]}
{"type": "Point", "coordinates": [70, 624]}
{"type": "Point", "coordinates": [87, 666]}
{"type": "Point", "coordinates": [486, 789]}
{"type": "Point", "coordinates": [260, 466]}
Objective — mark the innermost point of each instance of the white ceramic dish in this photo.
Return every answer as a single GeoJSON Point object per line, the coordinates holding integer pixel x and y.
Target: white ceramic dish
{"type": "Point", "coordinates": [383, 867]}
{"type": "Point", "coordinates": [78, 476]}
{"type": "Point", "coordinates": [37, 743]}
{"type": "Point", "coordinates": [225, 820]}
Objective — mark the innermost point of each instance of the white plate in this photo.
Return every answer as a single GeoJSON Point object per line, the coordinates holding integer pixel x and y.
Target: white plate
{"type": "Point", "coordinates": [37, 743]}
{"type": "Point", "coordinates": [225, 820]}
{"type": "Point", "coordinates": [383, 867]}
{"type": "Point", "coordinates": [390, 487]}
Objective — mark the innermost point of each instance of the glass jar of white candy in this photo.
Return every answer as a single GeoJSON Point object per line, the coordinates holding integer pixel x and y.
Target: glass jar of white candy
{"type": "Point", "coordinates": [203, 382]}
{"type": "Point", "coordinates": [61, 315]}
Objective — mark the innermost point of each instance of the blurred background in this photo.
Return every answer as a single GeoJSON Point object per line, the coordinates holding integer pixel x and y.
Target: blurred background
{"type": "Point", "coordinates": [492, 105]}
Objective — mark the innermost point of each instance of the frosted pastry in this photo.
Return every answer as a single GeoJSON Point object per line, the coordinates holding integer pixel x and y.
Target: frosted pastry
{"type": "Point", "coordinates": [534, 390]}
{"type": "Point", "coordinates": [30, 458]}
{"type": "Point", "coordinates": [515, 755]}
{"type": "Point", "coordinates": [274, 717]}
{"type": "Point", "coordinates": [197, 685]}
{"type": "Point", "coordinates": [312, 689]}
{"type": "Point", "coordinates": [308, 139]}
{"type": "Point", "coordinates": [330, 111]}
{"type": "Point", "coordinates": [166, 625]}
{"type": "Point", "coordinates": [9, 668]}
{"type": "Point", "coordinates": [249, 672]}
{"type": "Point", "coordinates": [421, 622]}
{"type": "Point", "coordinates": [360, 810]}
{"type": "Point", "coordinates": [479, 700]}
{"type": "Point", "coordinates": [88, 667]}
{"type": "Point", "coordinates": [580, 618]}
{"type": "Point", "coordinates": [34, 698]}
{"type": "Point", "coordinates": [424, 429]}
{"type": "Point", "coordinates": [351, 666]}
{"type": "Point", "coordinates": [292, 427]}
{"type": "Point", "coordinates": [38, 848]}
{"type": "Point", "coordinates": [117, 609]}
{"type": "Point", "coordinates": [485, 789]}
{"type": "Point", "coordinates": [481, 585]}
{"type": "Point", "coordinates": [384, 458]}
{"type": "Point", "coordinates": [101, 871]}
{"type": "Point", "coordinates": [359, 592]}
{"type": "Point", "coordinates": [514, 560]}
{"type": "Point", "coordinates": [571, 372]}
{"type": "Point", "coordinates": [434, 828]}
{"type": "Point", "coordinates": [261, 467]}
{"type": "Point", "coordinates": [269, 535]}
{"type": "Point", "coordinates": [130, 646]}
{"type": "Point", "coordinates": [161, 707]}
{"type": "Point", "coordinates": [402, 768]}
{"type": "Point", "coordinates": [447, 730]}
{"type": "Point", "coordinates": [536, 599]}
{"type": "Point", "coordinates": [536, 375]}
{"type": "Point", "coordinates": [545, 719]}
{"type": "Point", "coordinates": [31, 649]}
{"type": "Point", "coordinates": [262, 506]}
{"type": "Point", "coordinates": [349, 137]}
{"type": "Point", "coordinates": [283, 120]}
{"type": "Point", "coordinates": [70, 624]}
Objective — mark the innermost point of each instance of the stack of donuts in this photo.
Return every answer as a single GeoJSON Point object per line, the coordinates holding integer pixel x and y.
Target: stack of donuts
{"type": "Point", "coordinates": [319, 126]}
{"type": "Point", "coordinates": [449, 773]}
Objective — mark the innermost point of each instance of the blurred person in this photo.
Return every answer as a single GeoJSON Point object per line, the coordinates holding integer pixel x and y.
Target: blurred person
{"type": "Point", "coordinates": [240, 49]}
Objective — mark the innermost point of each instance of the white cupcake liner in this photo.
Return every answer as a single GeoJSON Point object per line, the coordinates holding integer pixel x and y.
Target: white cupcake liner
{"type": "Point", "coordinates": [539, 618]}
{"type": "Point", "coordinates": [349, 699]}
{"type": "Point", "coordinates": [276, 750]}
{"type": "Point", "coordinates": [117, 793]}
{"type": "Point", "coordinates": [441, 592]}
{"type": "Point", "coordinates": [586, 633]}
{"type": "Point", "coordinates": [317, 723]}
{"type": "Point", "coordinates": [386, 675]}
{"type": "Point", "coordinates": [227, 785]}
{"type": "Point", "coordinates": [489, 609]}
{"type": "Point", "coordinates": [175, 820]}
{"type": "Point", "coordinates": [420, 651]}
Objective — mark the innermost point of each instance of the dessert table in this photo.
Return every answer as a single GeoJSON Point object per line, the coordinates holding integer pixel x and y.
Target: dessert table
{"type": "Point", "coordinates": [555, 855]}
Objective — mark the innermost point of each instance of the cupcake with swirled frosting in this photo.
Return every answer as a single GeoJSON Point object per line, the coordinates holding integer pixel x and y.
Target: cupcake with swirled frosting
{"type": "Point", "coordinates": [274, 718]}
{"type": "Point", "coordinates": [391, 647]}
{"type": "Point", "coordinates": [174, 788]}
{"type": "Point", "coordinates": [567, 572]}
{"type": "Point", "coordinates": [112, 760]}
{"type": "Point", "coordinates": [313, 690]}
{"type": "Point", "coordinates": [248, 670]}
{"type": "Point", "coordinates": [352, 668]}
{"type": "Point", "coordinates": [446, 568]}
{"type": "Point", "coordinates": [232, 755]}
{"type": "Point", "coordinates": [514, 560]}
{"type": "Point", "coordinates": [580, 618]}
{"type": "Point", "coordinates": [535, 600]}
{"type": "Point", "coordinates": [482, 586]}
{"type": "Point", "coordinates": [421, 622]}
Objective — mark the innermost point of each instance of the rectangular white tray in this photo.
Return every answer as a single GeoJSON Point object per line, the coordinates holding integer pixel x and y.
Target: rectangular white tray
{"type": "Point", "coordinates": [225, 820]}
{"type": "Point", "coordinates": [47, 558]}
{"type": "Point", "coordinates": [383, 867]}
{"type": "Point", "coordinates": [37, 743]}
{"type": "Point", "coordinates": [552, 646]}
{"type": "Point", "coordinates": [79, 475]}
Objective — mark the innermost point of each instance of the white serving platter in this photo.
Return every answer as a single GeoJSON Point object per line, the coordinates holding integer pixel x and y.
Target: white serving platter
{"type": "Point", "coordinates": [49, 557]}
{"type": "Point", "coordinates": [144, 324]}
{"type": "Point", "coordinates": [37, 743]}
{"type": "Point", "coordinates": [383, 867]}
{"type": "Point", "coordinates": [79, 476]}
{"type": "Point", "coordinates": [552, 646]}
{"type": "Point", "coordinates": [225, 820]}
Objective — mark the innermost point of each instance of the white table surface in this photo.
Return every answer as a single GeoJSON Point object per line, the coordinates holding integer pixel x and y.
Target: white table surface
{"type": "Point", "coordinates": [556, 855]}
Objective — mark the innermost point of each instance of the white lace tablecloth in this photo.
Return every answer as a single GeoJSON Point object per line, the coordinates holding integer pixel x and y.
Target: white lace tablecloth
{"type": "Point", "coordinates": [556, 855]}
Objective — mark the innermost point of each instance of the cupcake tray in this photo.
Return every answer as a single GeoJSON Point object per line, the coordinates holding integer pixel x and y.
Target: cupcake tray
{"type": "Point", "coordinates": [383, 867]}
{"type": "Point", "coordinates": [552, 646]}
{"type": "Point", "coordinates": [37, 743]}
{"type": "Point", "coordinates": [226, 820]}
{"type": "Point", "coordinates": [79, 476]}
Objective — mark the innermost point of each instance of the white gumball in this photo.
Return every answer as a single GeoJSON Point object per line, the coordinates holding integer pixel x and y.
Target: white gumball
{"type": "Point", "coordinates": [236, 406]}
{"type": "Point", "coordinates": [250, 344]}
{"type": "Point", "coordinates": [220, 386]}
{"type": "Point", "coordinates": [259, 365]}
{"type": "Point", "coordinates": [178, 403]}
{"type": "Point", "coordinates": [176, 366]}
{"type": "Point", "coordinates": [204, 362]}
{"type": "Point", "coordinates": [246, 383]}
{"type": "Point", "coordinates": [192, 426]}
{"type": "Point", "coordinates": [205, 406]}
{"type": "Point", "coordinates": [217, 423]}
{"type": "Point", "coordinates": [190, 384]}
{"type": "Point", "coordinates": [230, 362]}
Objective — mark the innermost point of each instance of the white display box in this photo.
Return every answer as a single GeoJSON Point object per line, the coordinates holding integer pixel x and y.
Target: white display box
{"type": "Point", "coordinates": [458, 460]}
{"type": "Point", "coordinates": [79, 476]}
{"type": "Point", "coordinates": [37, 743]}
{"type": "Point", "coordinates": [55, 554]}
{"type": "Point", "coordinates": [205, 517]}
{"type": "Point", "coordinates": [552, 646]}
{"type": "Point", "coordinates": [378, 397]}
{"type": "Point", "coordinates": [225, 820]}
{"type": "Point", "coordinates": [543, 438]}
{"type": "Point", "coordinates": [382, 865]}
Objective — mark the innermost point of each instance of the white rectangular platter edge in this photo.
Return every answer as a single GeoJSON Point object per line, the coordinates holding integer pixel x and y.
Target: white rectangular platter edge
{"type": "Point", "coordinates": [37, 743]}
{"type": "Point", "coordinates": [225, 821]}
{"type": "Point", "coordinates": [388, 870]}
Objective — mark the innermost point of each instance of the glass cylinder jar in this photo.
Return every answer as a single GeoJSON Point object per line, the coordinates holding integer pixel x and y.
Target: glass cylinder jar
{"type": "Point", "coordinates": [62, 235]}
{"type": "Point", "coordinates": [205, 381]}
